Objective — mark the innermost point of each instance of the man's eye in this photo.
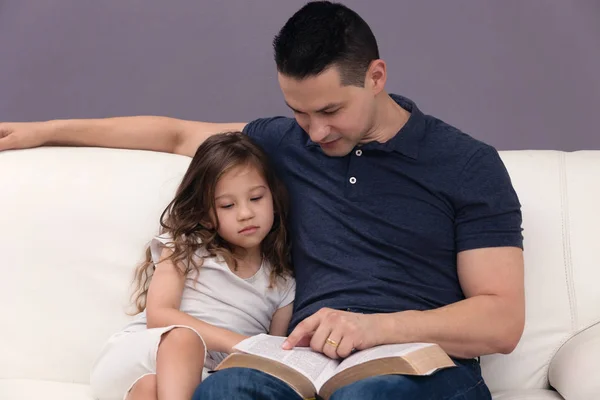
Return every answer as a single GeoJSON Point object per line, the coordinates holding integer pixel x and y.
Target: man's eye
{"type": "Point", "coordinates": [330, 112]}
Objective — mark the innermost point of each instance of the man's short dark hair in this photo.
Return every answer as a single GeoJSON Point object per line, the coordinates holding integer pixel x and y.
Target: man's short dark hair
{"type": "Point", "coordinates": [322, 34]}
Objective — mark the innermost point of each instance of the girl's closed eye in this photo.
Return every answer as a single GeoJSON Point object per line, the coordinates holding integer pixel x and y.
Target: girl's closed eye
{"type": "Point", "coordinates": [226, 206]}
{"type": "Point", "coordinates": [256, 198]}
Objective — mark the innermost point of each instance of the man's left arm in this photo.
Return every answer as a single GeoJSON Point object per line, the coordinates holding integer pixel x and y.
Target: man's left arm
{"type": "Point", "coordinates": [490, 320]}
{"type": "Point", "coordinates": [489, 267]}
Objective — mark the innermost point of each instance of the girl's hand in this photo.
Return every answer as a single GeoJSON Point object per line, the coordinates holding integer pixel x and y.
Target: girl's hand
{"type": "Point", "coordinates": [236, 338]}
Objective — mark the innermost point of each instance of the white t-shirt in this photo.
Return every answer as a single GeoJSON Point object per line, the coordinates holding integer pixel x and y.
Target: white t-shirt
{"type": "Point", "coordinates": [221, 298]}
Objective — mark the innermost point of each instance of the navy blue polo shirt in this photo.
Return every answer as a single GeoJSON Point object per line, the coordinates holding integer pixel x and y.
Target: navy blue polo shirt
{"type": "Point", "coordinates": [379, 229]}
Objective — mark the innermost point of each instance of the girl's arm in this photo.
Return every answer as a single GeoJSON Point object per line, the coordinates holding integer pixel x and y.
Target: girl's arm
{"type": "Point", "coordinates": [164, 299]}
{"type": "Point", "coordinates": [281, 321]}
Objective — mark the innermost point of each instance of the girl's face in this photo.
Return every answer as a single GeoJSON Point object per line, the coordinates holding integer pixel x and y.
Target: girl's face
{"type": "Point", "coordinates": [244, 208]}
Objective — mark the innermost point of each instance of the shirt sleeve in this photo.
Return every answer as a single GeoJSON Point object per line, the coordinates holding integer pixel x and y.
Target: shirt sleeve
{"type": "Point", "coordinates": [288, 292]}
{"type": "Point", "coordinates": [157, 244]}
{"type": "Point", "coordinates": [269, 132]}
{"type": "Point", "coordinates": [488, 211]}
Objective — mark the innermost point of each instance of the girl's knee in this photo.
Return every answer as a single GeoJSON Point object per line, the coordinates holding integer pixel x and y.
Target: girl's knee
{"type": "Point", "coordinates": [182, 337]}
{"type": "Point", "coordinates": [144, 388]}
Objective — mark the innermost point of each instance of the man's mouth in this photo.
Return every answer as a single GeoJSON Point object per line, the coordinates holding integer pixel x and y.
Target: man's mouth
{"type": "Point", "coordinates": [329, 143]}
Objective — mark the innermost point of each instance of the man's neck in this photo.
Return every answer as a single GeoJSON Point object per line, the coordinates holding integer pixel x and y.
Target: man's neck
{"type": "Point", "coordinates": [389, 119]}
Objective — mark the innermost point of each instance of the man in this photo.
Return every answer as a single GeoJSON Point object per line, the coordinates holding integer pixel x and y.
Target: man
{"type": "Point", "coordinates": [404, 228]}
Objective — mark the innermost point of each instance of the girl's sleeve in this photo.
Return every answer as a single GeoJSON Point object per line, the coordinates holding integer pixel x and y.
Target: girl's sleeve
{"type": "Point", "coordinates": [157, 244]}
{"type": "Point", "coordinates": [288, 292]}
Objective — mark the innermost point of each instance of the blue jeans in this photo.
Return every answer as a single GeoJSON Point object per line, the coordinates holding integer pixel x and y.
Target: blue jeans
{"type": "Point", "coordinates": [461, 383]}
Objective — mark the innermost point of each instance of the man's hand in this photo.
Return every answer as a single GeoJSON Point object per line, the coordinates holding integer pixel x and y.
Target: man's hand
{"type": "Point", "coordinates": [336, 333]}
{"type": "Point", "coordinates": [22, 135]}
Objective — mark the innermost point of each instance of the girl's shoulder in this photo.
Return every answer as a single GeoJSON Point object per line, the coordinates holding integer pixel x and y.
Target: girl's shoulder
{"type": "Point", "coordinates": [283, 282]}
{"type": "Point", "coordinates": [165, 240]}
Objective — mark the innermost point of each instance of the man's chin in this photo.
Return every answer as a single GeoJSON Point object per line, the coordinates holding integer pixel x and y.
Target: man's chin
{"type": "Point", "coordinates": [339, 150]}
{"type": "Point", "coordinates": [335, 153]}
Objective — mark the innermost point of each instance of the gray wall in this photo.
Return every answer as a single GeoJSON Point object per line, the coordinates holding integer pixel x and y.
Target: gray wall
{"type": "Point", "coordinates": [517, 74]}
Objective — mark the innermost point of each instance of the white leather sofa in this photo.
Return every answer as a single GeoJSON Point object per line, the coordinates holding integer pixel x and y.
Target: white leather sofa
{"type": "Point", "coordinates": [74, 222]}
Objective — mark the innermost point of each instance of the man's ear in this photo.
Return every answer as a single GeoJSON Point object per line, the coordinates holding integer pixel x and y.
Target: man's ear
{"type": "Point", "coordinates": [376, 76]}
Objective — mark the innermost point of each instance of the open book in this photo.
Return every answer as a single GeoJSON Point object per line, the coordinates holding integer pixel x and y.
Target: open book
{"type": "Point", "coordinates": [311, 373]}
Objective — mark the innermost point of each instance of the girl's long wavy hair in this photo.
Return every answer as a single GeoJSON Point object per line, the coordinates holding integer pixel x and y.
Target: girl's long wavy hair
{"type": "Point", "coordinates": [187, 218]}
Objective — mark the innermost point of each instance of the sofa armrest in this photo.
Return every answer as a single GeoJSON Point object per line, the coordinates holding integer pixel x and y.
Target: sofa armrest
{"type": "Point", "coordinates": [574, 369]}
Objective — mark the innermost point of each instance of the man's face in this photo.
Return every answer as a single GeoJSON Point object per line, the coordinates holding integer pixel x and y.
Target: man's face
{"type": "Point", "coordinates": [334, 116]}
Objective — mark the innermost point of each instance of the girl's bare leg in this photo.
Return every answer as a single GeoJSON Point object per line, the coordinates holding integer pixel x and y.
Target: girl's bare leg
{"type": "Point", "coordinates": [179, 364]}
{"type": "Point", "coordinates": [144, 389]}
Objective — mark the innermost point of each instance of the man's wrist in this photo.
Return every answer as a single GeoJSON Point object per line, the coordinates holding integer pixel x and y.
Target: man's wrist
{"type": "Point", "coordinates": [394, 327]}
{"type": "Point", "coordinates": [49, 131]}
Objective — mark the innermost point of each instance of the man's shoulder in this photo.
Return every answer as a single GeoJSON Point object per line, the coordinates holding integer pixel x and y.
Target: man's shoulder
{"type": "Point", "coordinates": [445, 135]}
{"type": "Point", "coordinates": [447, 142]}
{"type": "Point", "coordinates": [271, 125]}
{"type": "Point", "coordinates": [432, 140]}
{"type": "Point", "coordinates": [270, 132]}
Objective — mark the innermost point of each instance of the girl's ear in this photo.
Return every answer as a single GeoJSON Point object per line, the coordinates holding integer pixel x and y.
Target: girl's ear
{"type": "Point", "coordinates": [208, 222]}
{"type": "Point", "coordinates": [208, 225]}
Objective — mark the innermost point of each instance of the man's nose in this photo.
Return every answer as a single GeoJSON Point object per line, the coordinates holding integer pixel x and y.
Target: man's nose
{"type": "Point", "coordinates": [318, 131]}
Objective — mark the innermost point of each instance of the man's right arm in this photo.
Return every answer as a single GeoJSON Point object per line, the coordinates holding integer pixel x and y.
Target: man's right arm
{"type": "Point", "coordinates": [164, 134]}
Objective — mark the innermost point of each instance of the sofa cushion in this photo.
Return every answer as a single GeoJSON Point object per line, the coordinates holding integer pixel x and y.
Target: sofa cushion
{"type": "Point", "coordinates": [574, 369]}
{"type": "Point", "coordinates": [527, 394]}
{"type": "Point", "coordinates": [30, 389]}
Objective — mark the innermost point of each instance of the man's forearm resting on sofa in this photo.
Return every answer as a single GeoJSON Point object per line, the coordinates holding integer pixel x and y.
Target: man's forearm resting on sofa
{"type": "Point", "coordinates": [162, 134]}
{"type": "Point", "coordinates": [138, 132]}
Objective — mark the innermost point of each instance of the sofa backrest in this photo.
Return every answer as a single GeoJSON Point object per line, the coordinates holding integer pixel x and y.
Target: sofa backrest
{"type": "Point", "coordinates": [75, 222]}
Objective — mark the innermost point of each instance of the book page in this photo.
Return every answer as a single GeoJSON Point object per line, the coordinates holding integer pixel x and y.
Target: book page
{"type": "Point", "coordinates": [303, 359]}
{"type": "Point", "coordinates": [327, 373]}
{"type": "Point", "coordinates": [383, 351]}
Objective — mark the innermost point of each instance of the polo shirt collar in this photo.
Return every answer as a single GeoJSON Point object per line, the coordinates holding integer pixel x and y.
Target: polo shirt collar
{"type": "Point", "coordinates": [408, 138]}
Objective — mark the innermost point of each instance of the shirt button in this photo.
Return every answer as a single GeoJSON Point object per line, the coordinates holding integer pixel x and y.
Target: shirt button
{"type": "Point", "coordinates": [358, 153]}
{"type": "Point", "coordinates": [352, 180]}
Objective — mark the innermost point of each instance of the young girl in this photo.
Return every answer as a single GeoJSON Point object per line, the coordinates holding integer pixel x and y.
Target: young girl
{"type": "Point", "coordinates": [218, 273]}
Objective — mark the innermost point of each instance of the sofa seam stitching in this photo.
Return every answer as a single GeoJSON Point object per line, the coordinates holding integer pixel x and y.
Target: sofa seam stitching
{"type": "Point", "coordinates": [568, 262]}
